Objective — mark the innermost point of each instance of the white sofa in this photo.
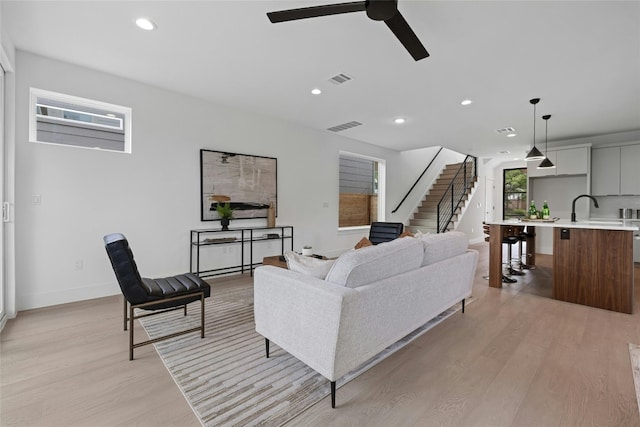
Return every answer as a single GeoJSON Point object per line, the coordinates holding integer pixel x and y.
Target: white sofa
{"type": "Point", "coordinates": [371, 298]}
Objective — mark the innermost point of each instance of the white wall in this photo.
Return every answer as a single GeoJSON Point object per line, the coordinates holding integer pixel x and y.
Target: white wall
{"type": "Point", "coordinates": [152, 195]}
{"type": "Point", "coordinates": [474, 213]}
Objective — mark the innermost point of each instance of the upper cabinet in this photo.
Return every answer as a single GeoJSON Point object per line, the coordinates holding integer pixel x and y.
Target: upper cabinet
{"type": "Point", "coordinates": [614, 170]}
{"type": "Point", "coordinates": [629, 164]}
{"type": "Point", "coordinates": [569, 161]}
{"type": "Point", "coordinates": [605, 171]}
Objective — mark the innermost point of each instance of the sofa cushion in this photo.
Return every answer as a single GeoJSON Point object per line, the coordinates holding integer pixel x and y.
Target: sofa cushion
{"type": "Point", "coordinates": [442, 246]}
{"type": "Point", "coordinates": [308, 265]}
{"type": "Point", "coordinates": [371, 264]}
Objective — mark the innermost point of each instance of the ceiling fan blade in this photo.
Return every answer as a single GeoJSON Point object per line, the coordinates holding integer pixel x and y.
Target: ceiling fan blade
{"type": "Point", "coordinates": [315, 11]}
{"type": "Point", "coordinates": [407, 37]}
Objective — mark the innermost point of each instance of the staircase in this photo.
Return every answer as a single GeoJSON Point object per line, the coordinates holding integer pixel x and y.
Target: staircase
{"type": "Point", "coordinates": [426, 217]}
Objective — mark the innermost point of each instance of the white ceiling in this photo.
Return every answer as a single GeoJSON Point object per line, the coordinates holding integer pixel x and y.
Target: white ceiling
{"type": "Point", "coordinates": [581, 58]}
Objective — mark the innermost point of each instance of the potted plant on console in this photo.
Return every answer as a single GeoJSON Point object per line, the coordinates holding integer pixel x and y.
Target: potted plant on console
{"type": "Point", "coordinates": [226, 214]}
{"type": "Point", "coordinates": [307, 250]}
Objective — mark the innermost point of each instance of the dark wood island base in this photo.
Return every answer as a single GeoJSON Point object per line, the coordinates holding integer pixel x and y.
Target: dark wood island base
{"type": "Point", "coordinates": [594, 268]}
{"type": "Point", "coordinates": [592, 263]}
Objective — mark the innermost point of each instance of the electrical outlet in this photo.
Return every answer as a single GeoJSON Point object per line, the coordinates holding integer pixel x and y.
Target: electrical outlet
{"type": "Point", "coordinates": [36, 199]}
{"type": "Point", "coordinates": [79, 265]}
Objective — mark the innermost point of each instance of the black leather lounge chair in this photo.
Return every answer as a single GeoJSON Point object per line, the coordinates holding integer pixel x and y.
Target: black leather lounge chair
{"type": "Point", "coordinates": [384, 231]}
{"type": "Point", "coordinates": [156, 295]}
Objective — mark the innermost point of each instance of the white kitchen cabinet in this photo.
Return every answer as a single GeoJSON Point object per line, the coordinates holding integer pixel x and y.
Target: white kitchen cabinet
{"type": "Point", "coordinates": [605, 171]}
{"type": "Point", "coordinates": [573, 161]}
{"type": "Point", "coordinates": [629, 169]}
{"type": "Point", "coordinates": [570, 161]}
{"type": "Point", "coordinates": [614, 170]}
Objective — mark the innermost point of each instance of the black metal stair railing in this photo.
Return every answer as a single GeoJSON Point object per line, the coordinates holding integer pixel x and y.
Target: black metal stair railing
{"type": "Point", "coordinates": [417, 180]}
{"type": "Point", "coordinates": [456, 192]}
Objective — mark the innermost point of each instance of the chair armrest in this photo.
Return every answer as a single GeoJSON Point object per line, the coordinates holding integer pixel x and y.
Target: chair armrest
{"type": "Point", "coordinates": [301, 314]}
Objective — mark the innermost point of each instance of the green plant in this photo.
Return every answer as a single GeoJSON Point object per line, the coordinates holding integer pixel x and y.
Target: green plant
{"type": "Point", "coordinates": [306, 247]}
{"type": "Point", "coordinates": [224, 210]}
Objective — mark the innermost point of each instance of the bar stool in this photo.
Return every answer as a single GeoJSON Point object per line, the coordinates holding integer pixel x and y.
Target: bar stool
{"type": "Point", "coordinates": [523, 236]}
{"type": "Point", "coordinates": [510, 238]}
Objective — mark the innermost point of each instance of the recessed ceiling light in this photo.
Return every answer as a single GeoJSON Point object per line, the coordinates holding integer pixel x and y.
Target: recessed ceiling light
{"type": "Point", "coordinates": [146, 24]}
{"type": "Point", "coordinates": [466, 102]}
{"type": "Point", "coordinates": [399, 121]}
{"type": "Point", "coordinates": [316, 91]}
{"type": "Point", "coordinates": [511, 135]}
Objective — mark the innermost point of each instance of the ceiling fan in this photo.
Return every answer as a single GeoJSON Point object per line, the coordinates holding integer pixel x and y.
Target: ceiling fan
{"type": "Point", "coordinates": [378, 10]}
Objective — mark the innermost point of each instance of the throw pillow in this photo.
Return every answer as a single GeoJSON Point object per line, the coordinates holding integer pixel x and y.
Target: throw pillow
{"type": "Point", "coordinates": [364, 242]}
{"type": "Point", "coordinates": [308, 265]}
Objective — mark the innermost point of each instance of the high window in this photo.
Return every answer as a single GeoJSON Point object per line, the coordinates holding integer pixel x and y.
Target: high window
{"type": "Point", "coordinates": [361, 190]}
{"type": "Point", "coordinates": [56, 118]}
{"type": "Point", "coordinates": [514, 202]}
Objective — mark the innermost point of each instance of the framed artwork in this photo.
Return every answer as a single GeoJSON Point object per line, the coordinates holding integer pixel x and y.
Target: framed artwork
{"type": "Point", "coordinates": [247, 183]}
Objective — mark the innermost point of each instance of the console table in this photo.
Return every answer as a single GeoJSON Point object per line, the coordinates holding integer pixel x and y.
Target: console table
{"type": "Point", "coordinates": [244, 237]}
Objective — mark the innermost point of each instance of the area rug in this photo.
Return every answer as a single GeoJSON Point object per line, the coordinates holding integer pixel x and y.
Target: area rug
{"type": "Point", "coordinates": [634, 355]}
{"type": "Point", "coordinates": [226, 377]}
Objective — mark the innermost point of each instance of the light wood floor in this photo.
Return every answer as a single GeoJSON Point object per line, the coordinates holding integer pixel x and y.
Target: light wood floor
{"type": "Point", "coordinates": [513, 359]}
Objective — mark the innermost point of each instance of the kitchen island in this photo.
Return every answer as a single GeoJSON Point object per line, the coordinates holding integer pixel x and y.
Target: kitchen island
{"type": "Point", "coordinates": [592, 260]}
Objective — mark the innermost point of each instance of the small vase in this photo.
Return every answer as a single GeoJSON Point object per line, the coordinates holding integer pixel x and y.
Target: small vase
{"type": "Point", "coordinates": [225, 223]}
{"type": "Point", "coordinates": [271, 216]}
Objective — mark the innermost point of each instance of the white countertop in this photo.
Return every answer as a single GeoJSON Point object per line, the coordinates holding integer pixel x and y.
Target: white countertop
{"type": "Point", "coordinates": [603, 224]}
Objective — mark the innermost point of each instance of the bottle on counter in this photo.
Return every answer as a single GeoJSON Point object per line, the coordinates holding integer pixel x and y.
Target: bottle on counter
{"type": "Point", "coordinates": [545, 211]}
{"type": "Point", "coordinates": [533, 212]}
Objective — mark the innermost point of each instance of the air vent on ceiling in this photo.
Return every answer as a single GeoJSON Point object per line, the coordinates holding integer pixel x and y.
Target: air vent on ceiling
{"type": "Point", "coordinates": [505, 130]}
{"type": "Point", "coordinates": [344, 126]}
{"type": "Point", "coordinates": [338, 79]}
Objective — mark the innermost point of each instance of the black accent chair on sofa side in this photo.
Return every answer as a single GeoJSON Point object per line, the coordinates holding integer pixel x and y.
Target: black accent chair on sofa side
{"type": "Point", "coordinates": [385, 231]}
{"type": "Point", "coordinates": [155, 295]}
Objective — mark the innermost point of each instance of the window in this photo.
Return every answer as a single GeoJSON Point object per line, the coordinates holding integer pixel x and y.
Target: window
{"type": "Point", "coordinates": [55, 118]}
{"type": "Point", "coordinates": [361, 190]}
{"type": "Point", "coordinates": [514, 188]}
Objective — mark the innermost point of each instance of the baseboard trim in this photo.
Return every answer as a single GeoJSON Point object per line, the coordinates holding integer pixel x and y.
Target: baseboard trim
{"type": "Point", "coordinates": [46, 299]}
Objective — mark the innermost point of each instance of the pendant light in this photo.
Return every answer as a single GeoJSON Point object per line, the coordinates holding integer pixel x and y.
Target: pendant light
{"type": "Point", "coordinates": [534, 154]}
{"type": "Point", "coordinates": [546, 163]}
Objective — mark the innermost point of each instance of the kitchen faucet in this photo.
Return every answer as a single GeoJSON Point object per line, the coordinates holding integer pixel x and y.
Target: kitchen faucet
{"type": "Point", "coordinates": [573, 205]}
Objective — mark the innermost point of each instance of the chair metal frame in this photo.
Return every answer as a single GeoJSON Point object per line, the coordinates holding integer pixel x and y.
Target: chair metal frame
{"type": "Point", "coordinates": [131, 316]}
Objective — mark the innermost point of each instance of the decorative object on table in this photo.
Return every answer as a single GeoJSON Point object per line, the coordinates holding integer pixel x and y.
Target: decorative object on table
{"type": "Point", "coordinates": [307, 250]}
{"type": "Point", "coordinates": [248, 183]}
{"type": "Point", "coordinates": [546, 163]}
{"type": "Point", "coordinates": [271, 236]}
{"type": "Point", "coordinates": [554, 219]}
{"type": "Point", "coordinates": [625, 213]}
{"type": "Point", "coordinates": [534, 154]}
{"type": "Point", "coordinates": [220, 240]}
{"type": "Point", "coordinates": [545, 210]}
{"type": "Point", "coordinates": [225, 211]}
{"type": "Point", "coordinates": [271, 216]}
{"type": "Point", "coordinates": [533, 212]}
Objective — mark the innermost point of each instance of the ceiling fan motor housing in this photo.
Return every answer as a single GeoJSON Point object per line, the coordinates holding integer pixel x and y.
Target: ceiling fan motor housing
{"type": "Point", "coordinates": [381, 10]}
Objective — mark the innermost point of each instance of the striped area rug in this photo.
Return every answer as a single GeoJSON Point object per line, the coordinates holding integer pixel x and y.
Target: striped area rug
{"type": "Point", "coordinates": [226, 377]}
